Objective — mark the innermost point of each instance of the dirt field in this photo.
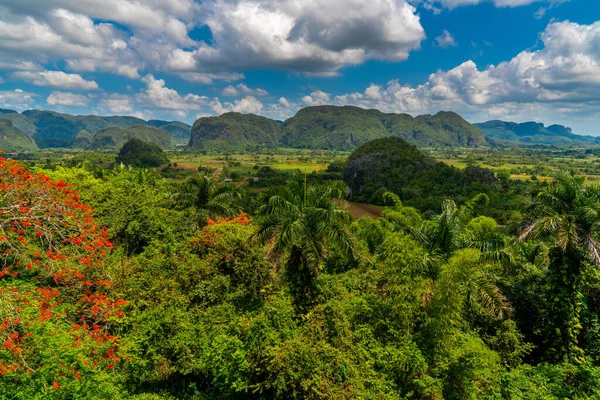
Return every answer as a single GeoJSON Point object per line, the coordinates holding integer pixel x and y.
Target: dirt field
{"type": "Point", "coordinates": [360, 210]}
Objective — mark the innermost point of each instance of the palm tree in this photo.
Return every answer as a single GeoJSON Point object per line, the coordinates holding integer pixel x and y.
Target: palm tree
{"type": "Point", "coordinates": [209, 199]}
{"type": "Point", "coordinates": [446, 234]}
{"type": "Point", "coordinates": [568, 214]}
{"type": "Point", "coordinates": [303, 223]}
{"type": "Point", "coordinates": [446, 239]}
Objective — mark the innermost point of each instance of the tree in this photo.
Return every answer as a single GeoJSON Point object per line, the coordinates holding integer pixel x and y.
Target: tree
{"type": "Point", "coordinates": [303, 223]}
{"type": "Point", "coordinates": [568, 214]}
{"type": "Point", "coordinates": [57, 313]}
{"type": "Point", "coordinates": [455, 229]}
{"type": "Point", "coordinates": [142, 154]}
{"type": "Point", "coordinates": [207, 197]}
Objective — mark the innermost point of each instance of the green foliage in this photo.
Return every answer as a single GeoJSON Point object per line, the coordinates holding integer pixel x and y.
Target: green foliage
{"type": "Point", "coordinates": [532, 133]}
{"type": "Point", "coordinates": [392, 164]}
{"type": "Point", "coordinates": [234, 131]}
{"type": "Point", "coordinates": [19, 121]}
{"type": "Point", "coordinates": [14, 140]}
{"type": "Point", "coordinates": [58, 130]}
{"type": "Point", "coordinates": [142, 154]}
{"type": "Point", "coordinates": [115, 138]}
{"type": "Point", "coordinates": [331, 127]}
{"type": "Point", "coordinates": [179, 131]}
{"type": "Point", "coordinates": [295, 299]}
{"type": "Point", "coordinates": [304, 223]}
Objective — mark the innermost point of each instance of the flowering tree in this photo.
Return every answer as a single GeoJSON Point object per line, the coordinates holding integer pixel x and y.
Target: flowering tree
{"type": "Point", "coordinates": [56, 312]}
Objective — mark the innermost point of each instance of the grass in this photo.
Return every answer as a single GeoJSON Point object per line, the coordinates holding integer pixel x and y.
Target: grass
{"type": "Point", "coordinates": [305, 161]}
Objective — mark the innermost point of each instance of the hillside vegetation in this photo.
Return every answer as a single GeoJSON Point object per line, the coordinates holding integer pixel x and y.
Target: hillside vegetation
{"type": "Point", "coordinates": [179, 131]}
{"type": "Point", "coordinates": [19, 121]}
{"type": "Point", "coordinates": [58, 130]}
{"type": "Point", "coordinates": [332, 127]}
{"type": "Point", "coordinates": [52, 129]}
{"type": "Point", "coordinates": [394, 165]}
{"type": "Point", "coordinates": [235, 131]}
{"type": "Point", "coordinates": [115, 138]}
{"type": "Point", "coordinates": [13, 140]}
{"type": "Point", "coordinates": [125, 284]}
{"type": "Point", "coordinates": [142, 154]}
{"type": "Point", "coordinates": [532, 133]}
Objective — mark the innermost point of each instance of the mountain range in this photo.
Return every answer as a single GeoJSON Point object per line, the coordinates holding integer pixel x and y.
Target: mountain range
{"type": "Point", "coordinates": [331, 127]}
{"type": "Point", "coordinates": [34, 129]}
{"type": "Point", "coordinates": [532, 133]}
{"type": "Point", "coordinates": [317, 127]}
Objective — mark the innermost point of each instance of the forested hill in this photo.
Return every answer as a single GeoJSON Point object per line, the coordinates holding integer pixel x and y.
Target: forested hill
{"type": "Point", "coordinates": [115, 138]}
{"type": "Point", "coordinates": [232, 131]}
{"type": "Point", "coordinates": [52, 129]}
{"type": "Point", "coordinates": [332, 127]}
{"type": "Point", "coordinates": [393, 165]}
{"type": "Point", "coordinates": [12, 139]}
{"type": "Point", "coordinates": [532, 133]}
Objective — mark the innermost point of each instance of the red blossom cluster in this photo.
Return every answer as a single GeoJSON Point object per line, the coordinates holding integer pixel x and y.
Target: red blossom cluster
{"type": "Point", "coordinates": [206, 236]}
{"type": "Point", "coordinates": [51, 274]}
{"type": "Point", "coordinates": [241, 219]}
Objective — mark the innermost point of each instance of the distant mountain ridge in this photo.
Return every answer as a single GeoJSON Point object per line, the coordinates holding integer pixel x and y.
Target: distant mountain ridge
{"type": "Point", "coordinates": [532, 133]}
{"type": "Point", "coordinates": [331, 127]}
{"type": "Point", "coordinates": [13, 140]}
{"type": "Point", "coordinates": [53, 129]}
{"type": "Point", "coordinates": [317, 127]}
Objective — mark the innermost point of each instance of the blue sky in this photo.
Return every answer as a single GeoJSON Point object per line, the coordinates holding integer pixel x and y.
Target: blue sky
{"type": "Point", "coordinates": [515, 60]}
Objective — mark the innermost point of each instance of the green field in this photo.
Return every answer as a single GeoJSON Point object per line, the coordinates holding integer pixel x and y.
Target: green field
{"type": "Point", "coordinates": [526, 163]}
{"type": "Point", "coordinates": [285, 159]}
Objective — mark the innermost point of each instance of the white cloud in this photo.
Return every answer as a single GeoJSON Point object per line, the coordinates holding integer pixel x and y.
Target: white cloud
{"type": "Point", "coordinates": [445, 40]}
{"type": "Point", "coordinates": [16, 99]}
{"type": "Point", "coordinates": [67, 99]}
{"type": "Point", "coordinates": [208, 78]}
{"type": "Point", "coordinates": [284, 102]}
{"type": "Point", "coordinates": [242, 89]}
{"type": "Point", "coordinates": [57, 79]}
{"type": "Point", "coordinates": [247, 105]}
{"type": "Point", "coordinates": [118, 105]}
{"type": "Point", "coordinates": [432, 4]}
{"type": "Point", "coordinates": [166, 17]}
{"type": "Point", "coordinates": [373, 92]}
{"type": "Point", "coordinates": [316, 37]}
{"type": "Point", "coordinates": [161, 97]}
{"type": "Point", "coordinates": [316, 98]}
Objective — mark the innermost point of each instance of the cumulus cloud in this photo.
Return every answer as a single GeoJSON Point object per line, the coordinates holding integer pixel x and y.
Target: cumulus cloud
{"type": "Point", "coordinates": [117, 105]}
{"type": "Point", "coordinates": [316, 37]}
{"type": "Point", "coordinates": [445, 40]}
{"type": "Point", "coordinates": [61, 35]}
{"type": "Point", "coordinates": [316, 98]}
{"type": "Point", "coordinates": [16, 99]}
{"type": "Point", "coordinates": [242, 89]}
{"type": "Point", "coordinates": [56, 79]}
{"type": "Point", "coordinates": [162, 97]}
{"type": "Point", "coordinates": [158, 16]}
{"type": "Point", "coordinates": [209, 78]}
{"type": "Point", "coordinates": [67, 99]}
{"type": "Point", "coordinates": [247, 105]}
{"type": "Point", "coordinates": [433, 4]}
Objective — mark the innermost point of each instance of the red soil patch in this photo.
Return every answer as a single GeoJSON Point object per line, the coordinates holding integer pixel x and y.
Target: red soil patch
{"type": "Point", "coordinates": [360, 210]}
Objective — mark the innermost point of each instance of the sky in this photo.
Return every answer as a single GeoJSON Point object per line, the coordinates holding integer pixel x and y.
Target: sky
{"type": "Point", "coordinates": [514, 60]}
